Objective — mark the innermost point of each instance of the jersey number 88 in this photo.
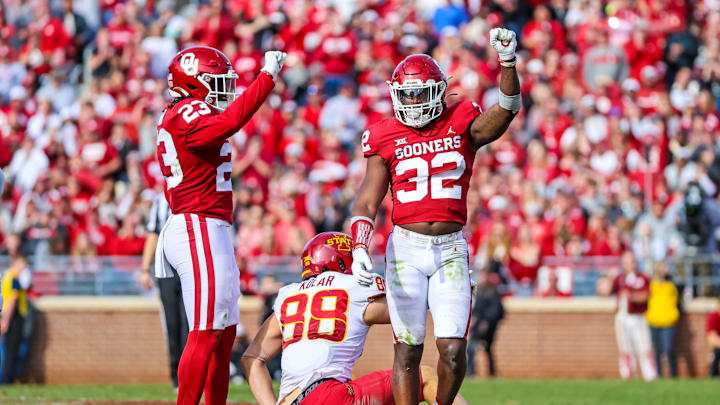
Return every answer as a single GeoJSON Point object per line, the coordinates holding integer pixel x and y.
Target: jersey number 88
{"type": "Point", "coordinates": [327, 305]}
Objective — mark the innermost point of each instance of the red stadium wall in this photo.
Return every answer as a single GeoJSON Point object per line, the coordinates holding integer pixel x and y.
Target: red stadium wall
{"type": "Point", "coordinates": [114, 340]}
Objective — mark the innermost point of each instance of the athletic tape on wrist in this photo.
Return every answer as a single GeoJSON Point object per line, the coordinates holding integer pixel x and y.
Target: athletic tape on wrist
{"type": "Point", "coordinates": [508, 63]}
{"type": "Point", "coordinates": [505, 57]}
{"type": "Point", "coordinates": [510, 103]}
{"type": "Point", "coordinates": [361, 229]}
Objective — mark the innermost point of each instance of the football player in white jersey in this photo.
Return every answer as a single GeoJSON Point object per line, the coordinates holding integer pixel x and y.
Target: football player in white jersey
{"type": "Point", "coordinates": [321, 324]}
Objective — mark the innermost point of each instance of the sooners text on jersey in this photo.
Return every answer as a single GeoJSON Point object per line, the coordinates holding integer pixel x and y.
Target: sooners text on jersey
{"type": "Point", "coordinates": [197, 181]}
{"type": "Point", "coordinates": [430, 167]}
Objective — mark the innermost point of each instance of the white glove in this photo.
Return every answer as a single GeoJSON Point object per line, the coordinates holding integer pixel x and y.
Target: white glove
{"type": "Point", "coordinates": [274, 61]}
{"type": "Point", "coordinates": [361, 267]}
{"type": "Point", "coordinates": [504, 42]}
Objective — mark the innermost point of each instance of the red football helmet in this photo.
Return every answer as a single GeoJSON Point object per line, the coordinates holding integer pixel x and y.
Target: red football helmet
{"type": "Point", "coordinates": [328, 251]}
{"type": "Point", "coordinates": [417, 89]}
{"type": "Point", "coordinates": [203, 73]}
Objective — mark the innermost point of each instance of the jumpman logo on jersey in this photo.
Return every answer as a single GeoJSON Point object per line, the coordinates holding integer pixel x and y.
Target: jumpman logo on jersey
{"type": "Point", "coordinates": [401, 141]}
{"type": "Point", "coordinates": [450, 131]}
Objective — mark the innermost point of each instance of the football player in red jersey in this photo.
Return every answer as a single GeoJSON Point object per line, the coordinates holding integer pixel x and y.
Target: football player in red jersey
{"type": "Point", "coordinates": [194, 155]}
{"type": "Point", "coordinates": [320, 325]}
{"type": "Point", "coordinates": [426, 155]}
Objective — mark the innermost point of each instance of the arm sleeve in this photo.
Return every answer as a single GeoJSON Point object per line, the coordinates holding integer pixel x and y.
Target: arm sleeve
{"type": "Point", "coordinates": [214, 129]}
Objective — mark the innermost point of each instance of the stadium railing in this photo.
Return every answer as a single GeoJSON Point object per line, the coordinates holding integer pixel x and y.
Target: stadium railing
{"type": "Point", "coordinates": [697, 275]}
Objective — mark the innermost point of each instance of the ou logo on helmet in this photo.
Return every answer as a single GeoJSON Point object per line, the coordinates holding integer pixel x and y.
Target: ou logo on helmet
{"type": "Point", "coordinates": [189, 64]}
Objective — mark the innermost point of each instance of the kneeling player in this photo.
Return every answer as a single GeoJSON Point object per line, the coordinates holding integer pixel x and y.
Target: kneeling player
{"type": "Point", "coordinates": [320, 325]}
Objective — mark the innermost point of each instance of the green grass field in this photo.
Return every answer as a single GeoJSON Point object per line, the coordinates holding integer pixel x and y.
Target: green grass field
{"type": "Point", "coordinates": [494, 392]}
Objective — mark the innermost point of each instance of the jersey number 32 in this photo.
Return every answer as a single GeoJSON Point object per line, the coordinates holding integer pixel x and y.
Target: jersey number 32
{"type": "Point", "coordinates": [436, 188]}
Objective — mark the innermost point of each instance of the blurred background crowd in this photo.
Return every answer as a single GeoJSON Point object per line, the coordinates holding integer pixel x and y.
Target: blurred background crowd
{"type": "Point", "coordinates": [616, 148]}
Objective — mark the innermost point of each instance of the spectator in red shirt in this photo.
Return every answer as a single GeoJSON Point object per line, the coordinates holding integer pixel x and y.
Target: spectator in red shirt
{"type": "Point", "coordinates": [127, 242]}
{"type": "Point", "coordinates": [254, 163]}
{"type": "Point", "coordinates": [642, 50]}
{"type": "Point", "coordinates": [336, 52]}
{"type": "Point", "coordinates": [120, 31]}
{"type": "Point", "coordinates": [79, 200]}
{"type": "Point", "coordinates": [310, 112]}
{"type": "Point", "coordinates": [712, 331]}
{"type": "Point", "coordinates": [612, 244]}
{"type": "Point", "coordinates": [247, 61]}
{"type": "Point", "coordinates": [648, 97]}
{"type": "Point", "coordinates": [213, 26]}
{"type": "Point", "coordinates": [543, 33]}
{"type": "Point", "coordinates": [524, 256]}
{"type": "Point", "coordinates": [100, 235]}
{"type": "Point", "coordinates": [53, 36]}
{"type": "Point", "coordinates": [99, 157]}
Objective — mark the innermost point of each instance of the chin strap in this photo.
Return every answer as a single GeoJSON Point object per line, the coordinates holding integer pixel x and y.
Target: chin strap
{"type": "Point", "coordinates": [178, 92]}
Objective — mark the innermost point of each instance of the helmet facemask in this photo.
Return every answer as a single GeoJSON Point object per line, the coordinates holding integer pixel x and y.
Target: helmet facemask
{"type": "Point", "coordinates": [222, 88]}
{"type": "Point", "coordinates": [416, 103]}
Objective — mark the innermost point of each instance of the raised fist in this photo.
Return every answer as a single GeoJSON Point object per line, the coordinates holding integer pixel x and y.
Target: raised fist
{"type": "Point", "coordinates": [274, 61]}
{"type": "Point", "coordinates": [504, 42]}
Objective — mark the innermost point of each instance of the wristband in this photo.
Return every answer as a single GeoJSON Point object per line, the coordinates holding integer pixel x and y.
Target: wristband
{"type": "Point", "coordinates": [508, 63]}
{"type": "Point", "coordinates": [361, 229]}
{"type": "Point", "coordinates": [510, 103]}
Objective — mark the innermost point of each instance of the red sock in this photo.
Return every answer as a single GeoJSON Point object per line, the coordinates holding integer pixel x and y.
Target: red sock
{"type": "Point", "coordinates": [218, 376]}
{"type": "Point", "coordinates": [193, 368]}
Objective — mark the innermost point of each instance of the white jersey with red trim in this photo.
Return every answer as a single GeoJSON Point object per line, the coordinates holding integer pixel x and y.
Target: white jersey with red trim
{"type": "Point", "coordinates": [323, 327]}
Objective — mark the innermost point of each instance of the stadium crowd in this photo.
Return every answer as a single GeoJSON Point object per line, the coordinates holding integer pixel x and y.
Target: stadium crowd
{"type": "Point", "coordinates": [621, 103]}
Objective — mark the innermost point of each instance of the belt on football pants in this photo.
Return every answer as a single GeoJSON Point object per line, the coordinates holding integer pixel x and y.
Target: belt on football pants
{"type": "Point", "coordinates": [428, 239]}
{"type": "Point", "coordinates": [309, 389]}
